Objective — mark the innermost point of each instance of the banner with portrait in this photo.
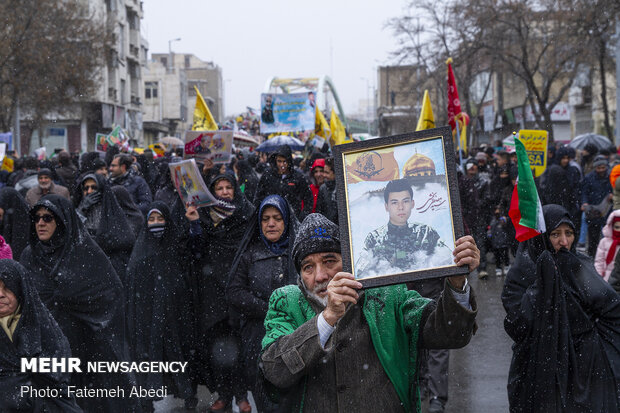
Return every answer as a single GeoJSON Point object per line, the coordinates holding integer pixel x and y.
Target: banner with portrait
{"type": "Point", "coordinates": [191, 187]}
{"type": "Point", "coordinates": [399, 209]}
{"type": "Point", "coordinates": [213, 145]}
{"type": "Point", "coordinates": [287, 112]}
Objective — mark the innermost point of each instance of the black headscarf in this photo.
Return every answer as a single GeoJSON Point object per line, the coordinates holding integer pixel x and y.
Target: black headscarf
{"type": "Point", "coordinates": [37, 335]}
{"type": "Point", "coordinates": [565, 321]}
{"type": "Point", "coordinates": [71, 272]}
{"type": "Point", "coordinates": [159, 302]}
{"type": "Point", "coordinates": [275, 201]}
{"type": "Point", "coordinates": [114, 234]}
{"type": "Point", "coordinates": [78, 284]}
{"type": "Point", "coordinates": [132, 212]}
{"type": "Point", "coordinates": [16, 220]}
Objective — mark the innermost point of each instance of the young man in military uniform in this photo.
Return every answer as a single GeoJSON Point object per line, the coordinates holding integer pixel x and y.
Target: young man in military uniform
{"type": "Point", "coordinates": [399, 245]}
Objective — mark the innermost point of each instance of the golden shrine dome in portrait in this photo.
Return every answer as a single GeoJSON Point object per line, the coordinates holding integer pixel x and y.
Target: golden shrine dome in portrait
{"type": "Point", "coordinates": [419, 165]}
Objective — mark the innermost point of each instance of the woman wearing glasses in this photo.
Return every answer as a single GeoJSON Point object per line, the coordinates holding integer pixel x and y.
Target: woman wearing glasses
{"type": "Point", "coordinates": [79, 286]}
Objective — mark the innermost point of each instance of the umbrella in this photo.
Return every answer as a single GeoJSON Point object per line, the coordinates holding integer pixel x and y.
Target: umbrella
{"type": "Point", "coordinates": [171, 140]}
{"type": "Point", "coordinates": [600, 141]}
{"type": "Point", "coordinates": [271, 145]}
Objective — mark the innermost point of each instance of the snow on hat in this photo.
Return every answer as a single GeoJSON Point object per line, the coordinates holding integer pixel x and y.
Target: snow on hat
{"type": "Point", "coordinates": [599, 161]}
{"type": "Point", "coordinates": [316, 234]}
{"type": "Point", "coordinates": [5, 250]}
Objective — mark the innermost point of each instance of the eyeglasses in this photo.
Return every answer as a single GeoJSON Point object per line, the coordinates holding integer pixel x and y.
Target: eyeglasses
{"type": "Point", "coordinates": [47, 218]}
{"type": "Point", "coordinates": [87, 187]}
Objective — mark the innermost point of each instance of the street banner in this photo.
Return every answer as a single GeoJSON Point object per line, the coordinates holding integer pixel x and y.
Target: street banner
{"type": "Point", "coordinates": [8, 139]}
{"type": "Point", "coordinates": [213, 145]}
{"type": "Point", "coordinates": [203, 119]}
{"type": "Point", "coordinates": [191, 187]}
{"type": "Point", "coordinates": [535, 143]}
{"type": "Point", "coordinates": [7, 163]}
{"type": "Point", "coordinates": [287, 112]}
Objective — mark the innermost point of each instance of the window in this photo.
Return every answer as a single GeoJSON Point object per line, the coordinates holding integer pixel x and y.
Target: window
{"type": "Point", "coordinates": [150, 90]}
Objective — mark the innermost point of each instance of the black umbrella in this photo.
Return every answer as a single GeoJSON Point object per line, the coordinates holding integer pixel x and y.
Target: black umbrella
{"type": "Point", "coordinates": [600, 141]}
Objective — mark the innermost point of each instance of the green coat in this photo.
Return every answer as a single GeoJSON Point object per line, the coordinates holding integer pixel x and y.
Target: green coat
{"type": "Point", "coordinates": [393, 314]}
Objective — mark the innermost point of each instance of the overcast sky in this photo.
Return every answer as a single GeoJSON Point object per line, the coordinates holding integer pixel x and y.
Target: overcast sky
{"type": "Point", "coordinates": [254, 40]}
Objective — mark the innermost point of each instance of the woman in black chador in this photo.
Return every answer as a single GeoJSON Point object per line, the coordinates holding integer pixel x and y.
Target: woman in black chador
{"type": "Point", "coordinates": [28, 330]}
{"type": "Point", "coordinates": [565, 322]}
{"type": "Point", "coordinates": [263, 264]}
{"type": "Point", "coordinates": [15, 220]}
{"type": "Point", "coordinates": [79, 286]}
{"type": "Point", "coordinates": [105, 221]}
{"type": "Point", "coordinates": [160, 304]}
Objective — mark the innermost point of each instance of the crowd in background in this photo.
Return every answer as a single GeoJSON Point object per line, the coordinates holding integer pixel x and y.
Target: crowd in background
{"type": "Point", "coordinates": [584, 182]}
{"type": "Point", "coordinates": [130, 273]}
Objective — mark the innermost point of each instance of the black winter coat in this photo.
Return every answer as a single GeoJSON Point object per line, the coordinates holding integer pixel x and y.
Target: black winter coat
{"type": "Point", "coordinates": [327, 201]}
{"type": "Point", "coordinates": [137, 188]}
{"type": "Point", "coordinates": [293, 186]}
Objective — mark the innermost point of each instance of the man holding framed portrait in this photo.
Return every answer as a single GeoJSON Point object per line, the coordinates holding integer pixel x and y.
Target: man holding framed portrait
{"type": "Point", "coordinates": [336, 343]}
{"type": "Point", "coordinates": [330, 346]}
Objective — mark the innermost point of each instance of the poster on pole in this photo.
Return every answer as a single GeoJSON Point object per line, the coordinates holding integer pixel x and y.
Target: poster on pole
{"type": "Point", "coordinates": [191, 187]}
{"type": "Point", "coordinates": [535, 142]}
{"type": "Point", "coordinates": [287, 112]}
{"type": "Point", "coordinates": [214, 145]}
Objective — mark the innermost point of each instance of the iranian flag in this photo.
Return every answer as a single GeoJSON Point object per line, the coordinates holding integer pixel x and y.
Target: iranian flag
{"type": "Point", "coordinates": [525, 207]}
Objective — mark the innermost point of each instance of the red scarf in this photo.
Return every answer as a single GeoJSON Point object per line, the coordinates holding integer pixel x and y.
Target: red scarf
{"type": "Point", "coordinates": [616, 241]}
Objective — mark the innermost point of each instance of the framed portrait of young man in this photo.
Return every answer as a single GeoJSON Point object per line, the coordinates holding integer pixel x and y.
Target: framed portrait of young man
{"type": "Point", "coordinates": [399, 207]}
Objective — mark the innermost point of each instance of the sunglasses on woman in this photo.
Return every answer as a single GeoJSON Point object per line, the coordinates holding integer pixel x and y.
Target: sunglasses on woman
{"type": "Point", "coordinates": [47, 218]}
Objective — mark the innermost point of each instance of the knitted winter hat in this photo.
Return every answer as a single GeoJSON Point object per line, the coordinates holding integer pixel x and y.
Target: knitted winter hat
{"type": "Point", "coordinates": [44, 172]}
{"type": "Point", "coordinates": [316, 234]}
{"type": "Point", "coordinates": [5, 250]}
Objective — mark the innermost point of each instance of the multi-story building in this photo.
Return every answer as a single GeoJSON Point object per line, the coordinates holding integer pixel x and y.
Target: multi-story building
{"type": "Point", "coordinates": [206, 76]}
{"type": "Point", "coordinates": [398, 99]}
{"type": "Point", "coordinates": [165, 102]}
{"type": "Point", "coordinates": [118, 101]}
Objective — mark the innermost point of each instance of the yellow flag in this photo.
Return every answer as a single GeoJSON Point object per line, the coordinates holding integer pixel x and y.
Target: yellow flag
{"type": "Point", "coordinates": [7, 164]}
{"type": "Point", "coordinates": [339, 134]}
{"type": "Point", "coordinates": [426, 120]}
{"type": "Point", "coordinates": [321, 127]}
{"type": "Point", "coordinates": [203, 120]}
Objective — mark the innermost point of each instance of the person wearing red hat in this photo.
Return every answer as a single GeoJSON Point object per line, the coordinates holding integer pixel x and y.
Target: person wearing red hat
{"type": "Point", "coordinates": [317, 179]}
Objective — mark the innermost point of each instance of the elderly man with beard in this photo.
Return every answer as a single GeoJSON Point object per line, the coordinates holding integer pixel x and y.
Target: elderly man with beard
{"type": "Point", "coordinates": [46, 186]}
{"type": "Point", "coordinates": [334, 347]}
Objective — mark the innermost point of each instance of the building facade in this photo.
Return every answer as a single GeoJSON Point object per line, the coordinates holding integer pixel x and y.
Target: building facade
{"type": "Point", "coordinates": [165, 102]}
{"type": "Point", "coordinates": [117, 102]}
{"type": "Point", "coordinates": [206, 76]}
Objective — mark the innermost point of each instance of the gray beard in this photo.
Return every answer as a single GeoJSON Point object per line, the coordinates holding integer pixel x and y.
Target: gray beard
{"type": "Point", "coordinates": [312, 295]}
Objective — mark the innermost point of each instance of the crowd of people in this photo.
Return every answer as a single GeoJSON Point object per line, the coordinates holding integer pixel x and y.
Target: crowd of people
{"type": "Point", "coordinates": [583, 182]}
{"type": "Point", "coordinates": [127, 272]}
{"type": "Point", "coordinates": [103, 261]}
